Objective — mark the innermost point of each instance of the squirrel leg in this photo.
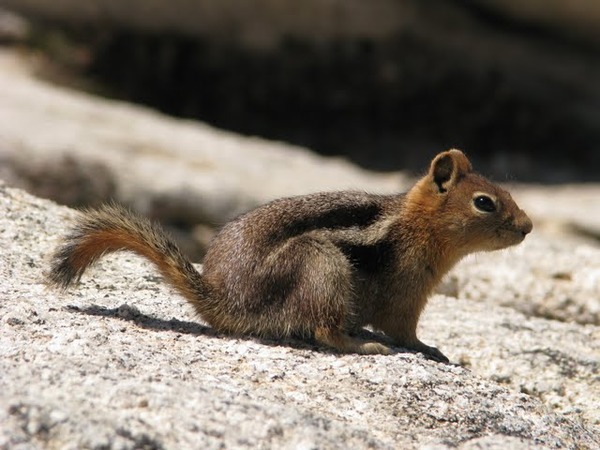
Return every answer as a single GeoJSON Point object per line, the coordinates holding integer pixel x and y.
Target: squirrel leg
{"type": "Point", "coordinates": [322, 299]}
{"type": "Point", "coordinates": [402, 328]}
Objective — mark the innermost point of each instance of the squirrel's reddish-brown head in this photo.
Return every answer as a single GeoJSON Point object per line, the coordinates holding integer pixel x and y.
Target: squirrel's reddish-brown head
{"type": "Point", "coordinates": [466, 210]}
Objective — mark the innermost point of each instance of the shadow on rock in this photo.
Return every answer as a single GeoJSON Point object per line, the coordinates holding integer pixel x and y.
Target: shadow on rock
{"type": "Point", "coordinates": [132, 314]}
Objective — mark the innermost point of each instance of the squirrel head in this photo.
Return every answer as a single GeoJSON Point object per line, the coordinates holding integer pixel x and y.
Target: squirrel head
{"type": "Point", "coordinates": [465, 210]}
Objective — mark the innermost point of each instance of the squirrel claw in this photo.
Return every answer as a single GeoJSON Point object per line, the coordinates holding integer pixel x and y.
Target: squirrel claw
{"type": "Point", "coordinates": [430, 352]}
{"type": "Point", "coordinates": [435, 354]}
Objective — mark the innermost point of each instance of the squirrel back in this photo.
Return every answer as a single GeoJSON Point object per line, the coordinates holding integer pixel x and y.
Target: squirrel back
{"type": "Point", "coordinates": [321, 265]}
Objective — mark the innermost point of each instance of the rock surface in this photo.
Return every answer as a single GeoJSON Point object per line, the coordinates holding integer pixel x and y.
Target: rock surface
{"type": "Point", "coordinates": [86, 149]}
{"type": "Point", "coordinates": [121, 362]}
{"type": "Point", "coordinates": [384, 82]}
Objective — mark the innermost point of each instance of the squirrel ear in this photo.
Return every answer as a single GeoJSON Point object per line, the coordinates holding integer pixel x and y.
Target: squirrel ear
{"type": "Point", "coordinates": [448, 167]}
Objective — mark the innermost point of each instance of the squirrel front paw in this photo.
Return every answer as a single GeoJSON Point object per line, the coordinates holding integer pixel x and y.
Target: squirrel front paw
{"type": "Point", "coordinates": [435, 354]}
{"type": "Point", "coordinates": [429, 351]}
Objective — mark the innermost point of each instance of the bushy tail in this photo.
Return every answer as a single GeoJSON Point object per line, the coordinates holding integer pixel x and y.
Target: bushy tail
{"type": "Point", "coordinates": [112, 228]}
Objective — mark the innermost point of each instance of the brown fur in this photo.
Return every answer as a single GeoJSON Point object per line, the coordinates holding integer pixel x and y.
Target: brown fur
{"type": "Point", "coordinates": [321, 265]}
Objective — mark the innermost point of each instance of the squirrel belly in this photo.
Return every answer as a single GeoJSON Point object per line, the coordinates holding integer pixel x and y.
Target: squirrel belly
{"type": "Point", "coordinates": [319, 265]}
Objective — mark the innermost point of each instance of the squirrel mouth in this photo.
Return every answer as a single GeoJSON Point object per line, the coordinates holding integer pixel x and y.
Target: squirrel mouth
{"type": "Point", "coordinates": [509, 236]}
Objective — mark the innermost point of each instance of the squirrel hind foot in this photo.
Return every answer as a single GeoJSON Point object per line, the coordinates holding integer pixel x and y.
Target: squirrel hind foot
{"type": "Point", "coordinates": [343, 343]}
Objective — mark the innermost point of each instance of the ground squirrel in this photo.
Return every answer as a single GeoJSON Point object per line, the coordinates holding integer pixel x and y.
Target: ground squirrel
{"type": "Point", "coordinates": [322, 265]}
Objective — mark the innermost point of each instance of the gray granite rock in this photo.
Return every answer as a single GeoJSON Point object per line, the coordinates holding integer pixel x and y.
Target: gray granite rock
{"type": "Point", "coordinates": [567, 209]}
{"type": "Point", "coordinates": [80, 149]}
{"type": "Point", "coordinates": [515, 81]}
{"type": "Point", "coordinates": [121, 362]}
{"type": "Point", "coordinates": [544, 277]}
{"type": "Point", "coordinates": [555, 279]}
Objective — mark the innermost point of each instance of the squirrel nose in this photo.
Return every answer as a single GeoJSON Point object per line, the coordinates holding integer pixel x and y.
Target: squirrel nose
{"type": "Point", "coordinates": [524, 224]}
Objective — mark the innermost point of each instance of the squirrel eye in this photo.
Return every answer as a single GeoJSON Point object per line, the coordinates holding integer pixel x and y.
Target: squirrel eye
{"type": "Point", "coordinates": [484, 203]}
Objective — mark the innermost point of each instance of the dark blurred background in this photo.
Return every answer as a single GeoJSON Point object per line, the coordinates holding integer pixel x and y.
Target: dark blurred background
{"type": "Point", "coordinates": [386, 83]}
